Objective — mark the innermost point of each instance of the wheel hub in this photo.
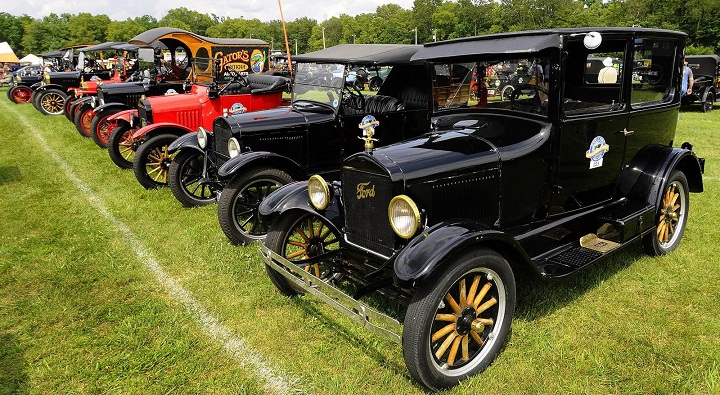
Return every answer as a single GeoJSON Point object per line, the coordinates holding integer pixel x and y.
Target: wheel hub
{"type": "Point", "coordinates": [465, 321]}
{"type": "Point", "coordinates": [315, 248]}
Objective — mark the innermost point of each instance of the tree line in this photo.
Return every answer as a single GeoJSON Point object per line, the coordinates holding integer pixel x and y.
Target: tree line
{"type": "Point", "coordinates": [428, 20]}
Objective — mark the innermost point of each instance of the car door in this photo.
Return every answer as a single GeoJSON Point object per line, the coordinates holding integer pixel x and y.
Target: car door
{"type": "Point", "coordinates": [593, 130]}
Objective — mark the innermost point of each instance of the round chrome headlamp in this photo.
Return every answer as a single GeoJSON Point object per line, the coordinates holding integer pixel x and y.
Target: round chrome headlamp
{"type": "Point", "coordinates": [404, 216]}
{"type": "Point", "coordinates": [319, 192]}
{"type": "Point", "coordinates": [233, 147]}
{"type": "Point", "coordinates": [202, 137]}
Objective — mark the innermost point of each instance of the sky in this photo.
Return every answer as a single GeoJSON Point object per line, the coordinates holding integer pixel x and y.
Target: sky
{"type": "Point", "coordinates": [264, 10]}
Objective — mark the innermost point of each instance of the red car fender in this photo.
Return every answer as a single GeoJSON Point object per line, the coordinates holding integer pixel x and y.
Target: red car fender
{"type": "Point", "coordinates": [175, 129]}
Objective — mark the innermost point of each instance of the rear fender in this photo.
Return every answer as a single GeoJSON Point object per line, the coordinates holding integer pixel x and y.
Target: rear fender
{"type": "Point", "coordinates": [260, 158]}
{"type": "Point", "coordinates": [429, 252]}
{"type": "Point", "coordinates": [294, 196]}
{"type": "Point", "coordinates": [160, 128]}
{"type": "Point", "coordinates": [644, 176]}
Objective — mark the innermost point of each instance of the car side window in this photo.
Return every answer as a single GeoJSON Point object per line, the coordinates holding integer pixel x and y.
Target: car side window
{"type": "Point", "coordinates": [593, 80]}
{"type": "Point", "coordinates": [653, 72]}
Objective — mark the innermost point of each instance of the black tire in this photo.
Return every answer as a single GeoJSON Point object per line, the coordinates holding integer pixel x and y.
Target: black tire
{"type": "Point", "coordinates": [707, 105]}
{"type": "Point", "coordinates": [122, 146]}
{"type": "Point", "coordinates": [152, 161]}
{"type": "Point", "coordinates": [506, 92]}
{"type": "Point", "coordinates": [240, 199]}
{"type": "Point", "coordinates": [186, 179]}
{"type": "Point", "coordinates": [33, 99]}
{"type": "Point", "coordinates": [20, 94]}
{"type": "Point", "coordinates": [285, 230]}
{"type": "Point", "coordinates": [70, 115]}
{"type": "Point", "coordinates": [433, 327]}
{"type": "Point", "coordinates": [100, 128]}
{"type": "Point", "coordinates": [84, 115]}
{"type": "Point", "coordinates": [671, 216]}
{"type": "Point", "coordinates": [51, 102]}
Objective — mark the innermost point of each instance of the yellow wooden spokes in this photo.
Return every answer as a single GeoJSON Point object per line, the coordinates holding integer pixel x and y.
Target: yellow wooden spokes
{"type": "Point", "coordinates": [452, 342]}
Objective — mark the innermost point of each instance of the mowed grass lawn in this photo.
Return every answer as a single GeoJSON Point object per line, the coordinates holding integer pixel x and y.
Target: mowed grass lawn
{"type": "Point", "coordinates": [108, 288]}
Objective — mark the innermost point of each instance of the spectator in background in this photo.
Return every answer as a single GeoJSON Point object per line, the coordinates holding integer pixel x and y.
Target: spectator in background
{"type": "Point", "coordinates": [608, 74]}
{"type": "Point", "coordinates": [687, 80]}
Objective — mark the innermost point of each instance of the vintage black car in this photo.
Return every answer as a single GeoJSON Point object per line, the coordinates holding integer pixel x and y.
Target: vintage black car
{"type": "Point", "coordinates": [20, 82]}
{"type": "Point", "coordinates": [706, 72]}
{"type": "Point", "coordinates": [547, 182]}
{"type": "Point", "coordinates": [49, 95]}
{"type": "Point", "coordinates": [251, 154]}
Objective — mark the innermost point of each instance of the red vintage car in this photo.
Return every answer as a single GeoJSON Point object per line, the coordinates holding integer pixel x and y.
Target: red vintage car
{"type": "Point", "coordinates": [146, 133]}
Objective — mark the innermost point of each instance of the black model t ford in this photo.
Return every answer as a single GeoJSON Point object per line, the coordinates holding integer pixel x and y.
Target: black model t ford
{"type": "Point", "coordinates": [251, 154]}
{"type": "Point", "coordinates": [548, 181]}
{"type": "Point", "coordinates": [706, 73]}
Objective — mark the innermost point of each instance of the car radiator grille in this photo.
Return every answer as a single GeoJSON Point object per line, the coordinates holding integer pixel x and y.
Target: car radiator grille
{"type": "Point", "coordinates": [132, 100]}
{"type": "Point", "coordinates": [220, 143]}
{"type": "Point", "coordinates": [366, 218]}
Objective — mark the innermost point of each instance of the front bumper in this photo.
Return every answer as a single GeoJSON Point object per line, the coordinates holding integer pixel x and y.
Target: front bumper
{"type": "Point", "coordinates": [359, 312]}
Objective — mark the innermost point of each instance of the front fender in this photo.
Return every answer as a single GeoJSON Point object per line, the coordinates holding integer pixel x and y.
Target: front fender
{"type": "Point", "coordinates": [52, 86]}
{"type": "Point", "coordinates": [432, 249]}
{"type": "Point", "coordinates": [36, 86]}
{"type": "Point", "coordinates": [644, 176]}
{"type": "Point", "coordinates": [260, 158]}
{"type": "Point", "coordinates": [79, 103]}
{"type": "Point", "coordinates": [189, 141]}
{"type": "Point", "coordinates": [107, 106]}
{"type": "Point", "coordinates": [126, 115]}
{"type": "Point", "coordinates": [294, 196]}
{"type": "Point", "coordinates": [162, 127]}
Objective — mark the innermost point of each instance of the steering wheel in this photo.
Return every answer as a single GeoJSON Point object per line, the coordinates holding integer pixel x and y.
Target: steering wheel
{"type": "Point", "coordinates": [236, 77]}
{"type": "Point", "coordinates": [535, 102]}
{"type": "Point", "coordinates": [353, 98]}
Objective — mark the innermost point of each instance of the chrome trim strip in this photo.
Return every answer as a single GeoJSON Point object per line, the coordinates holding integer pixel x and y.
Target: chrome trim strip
{"type": "Point", "coordinates": [345, 304]}
{"type": "Point", "coordinates": [377, 254]}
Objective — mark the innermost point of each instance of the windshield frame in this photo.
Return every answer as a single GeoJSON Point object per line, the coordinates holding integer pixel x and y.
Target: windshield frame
{"type": "Point", "coordinates": [318, 84]}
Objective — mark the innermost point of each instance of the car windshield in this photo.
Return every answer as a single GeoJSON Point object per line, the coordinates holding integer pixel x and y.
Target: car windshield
{"type": "Point", "coordinates": [515, 84]}
{"type": "Point", "coordinates": [320, 83]}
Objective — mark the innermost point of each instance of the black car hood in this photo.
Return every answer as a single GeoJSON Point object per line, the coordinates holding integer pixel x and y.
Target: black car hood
{"type": "Point", "coordinates": [274, 119]}
{"type": "Point", "coordinates": [480, 143]}
{"type": "Point", "coordinates": [122, 88]}
{"type": "Point", "coordinates": [64, 74]}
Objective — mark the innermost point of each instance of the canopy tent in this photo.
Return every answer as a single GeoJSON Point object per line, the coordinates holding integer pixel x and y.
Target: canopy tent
{"type": "Point", "coordinates": [30, 59]}
{"type": "Point", "coordinates": [6, 53]}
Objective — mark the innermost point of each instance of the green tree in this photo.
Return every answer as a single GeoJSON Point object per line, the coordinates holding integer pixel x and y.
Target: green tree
{"type": "Point", "coordinates": [88, 29]}
{"type": "Point", "coordinates": [189, 20]}
{"type": "Point", "coordinates": [300, 32]}
{"type": "Point", "coordinates": [12, 30]}
{"type": "Point", "coordinates": [123, 31]}
{"type": "Point", "coordinates": [49, 34]}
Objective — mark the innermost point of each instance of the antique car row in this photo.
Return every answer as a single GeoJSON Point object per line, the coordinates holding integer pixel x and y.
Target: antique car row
{"type": "Point", "coordinates": [467, 163]}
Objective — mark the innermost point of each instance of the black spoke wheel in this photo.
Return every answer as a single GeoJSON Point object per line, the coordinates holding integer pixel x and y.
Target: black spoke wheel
{"type": "Point", "coordinates": [122, 146]}
{"type": "Point", "coordinates": [707, 105]}
{"type": "Point", "coordinates": [100, 128]}
{"type": "Point", "coordinates": [240, 199]}
{"type": "Point", "coordinates": [83, 118]}
{"type": "Point", "coordinates": [459, 319]}
{"type": "Point", "coordinates": [187, 182]}
{"type": "Point", "coordinates": [671, 216]}
{"type": "Point", "coordinates": [51, 102]}
{"type": "Point", "coordinates": [298, 235]}
{"type": "Point", "coordinates": [152, 161]}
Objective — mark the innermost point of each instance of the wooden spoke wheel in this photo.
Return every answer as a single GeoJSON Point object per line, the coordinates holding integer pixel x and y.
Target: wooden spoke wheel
{"type": "Point", "coordinates": [457, 322]}
{"type": "Point", "coordinates": [240, 200]}
{"type": "Point", "coordinates": [122, 146]}
{"type": "Point", "coordinates": [152, 161]}
{"type": "Point", "coordinates": [298, 235]}
{"type": "Point", "coordinates": [190, 181]}
{"type": "Point", "coordinates": [671, 217]}
{"type": "Point", "coordinates": [51, 102]}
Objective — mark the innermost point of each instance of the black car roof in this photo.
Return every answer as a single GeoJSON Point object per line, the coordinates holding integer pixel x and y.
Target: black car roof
{"type": "Point", "coordinates": [102, 47]}
{"type": "Point", "coordinates": [522, 41]}
{"type": "Point", "coordinates": [362, 54]}
{"type": "Point", "coordinates": [151, 35]}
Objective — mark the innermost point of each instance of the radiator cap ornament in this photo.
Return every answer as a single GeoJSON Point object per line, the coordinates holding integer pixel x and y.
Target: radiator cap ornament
{"type": "Point", "coordinates": [368, 125]}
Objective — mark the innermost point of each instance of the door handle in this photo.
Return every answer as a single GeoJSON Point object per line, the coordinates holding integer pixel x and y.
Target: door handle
{"type": "Point", "coordinates": [625, 132]}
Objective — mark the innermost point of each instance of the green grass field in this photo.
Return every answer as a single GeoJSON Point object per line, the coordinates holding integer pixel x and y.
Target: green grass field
{"type": "Point", "coordinates": [108, 288]}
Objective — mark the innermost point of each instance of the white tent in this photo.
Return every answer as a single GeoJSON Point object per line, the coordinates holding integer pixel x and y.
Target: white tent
{"type": "Point", "coordinates": [31, 59]}
{"type": "Point", "coordinates": [7, 54]}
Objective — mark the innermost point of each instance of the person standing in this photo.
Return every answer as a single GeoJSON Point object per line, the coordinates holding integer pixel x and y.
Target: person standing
{"type": "Point", "coordinates": [687, 80]}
